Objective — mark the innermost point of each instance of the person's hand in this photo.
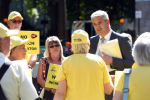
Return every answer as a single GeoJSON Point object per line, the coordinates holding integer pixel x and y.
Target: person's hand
{"type": "Point", "coordinates": [112, 78]}
{"type": "Point", "coordinates": [107, 59]}
{"type": "Point", "coordinates": [48, 89]}
{"type": "Point", "coordinates": [54, 91]}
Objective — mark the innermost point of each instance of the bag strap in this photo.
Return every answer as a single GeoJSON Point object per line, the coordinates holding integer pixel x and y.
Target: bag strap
{"type": "Point", "coordinates": [44, 67]}
{"type": "Point", "coordinates": [3, 69]}
{"type": "Point", "coordinates": [126, 83]}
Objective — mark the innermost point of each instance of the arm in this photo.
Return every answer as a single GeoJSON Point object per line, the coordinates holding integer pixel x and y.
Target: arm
{"type": "Point", "coordinates": [32, 60]}
{"type": "Point", "coordinates": [108, 87]}
{"type": "Point", "coordinates": [127, 59]}
{"type": "Point", "coordinates": [61, 90]}
{"type": "Point", "coordinates": [118, 95]}
{"type": "Point", "coordinates": [40, 79]}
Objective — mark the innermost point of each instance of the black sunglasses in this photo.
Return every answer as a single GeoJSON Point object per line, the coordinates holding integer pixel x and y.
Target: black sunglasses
{"type": "Point", "coordinates": [54, 46]}
{"type": "Point", "coordinates": [15, 21]}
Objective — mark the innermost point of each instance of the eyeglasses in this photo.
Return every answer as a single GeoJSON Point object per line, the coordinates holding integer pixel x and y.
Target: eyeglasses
{"type": "Point", "coordinates": [54, 46]}
{"type": "Point", "coordinates": [15, 21]}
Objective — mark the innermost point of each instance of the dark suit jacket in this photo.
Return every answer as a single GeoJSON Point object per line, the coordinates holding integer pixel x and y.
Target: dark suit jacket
{"type": "Point", "coordinates": [125, 48]}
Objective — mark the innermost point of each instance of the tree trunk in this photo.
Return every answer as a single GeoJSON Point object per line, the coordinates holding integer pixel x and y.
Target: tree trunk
{"type": "Point", "coordinates": [62, 20]}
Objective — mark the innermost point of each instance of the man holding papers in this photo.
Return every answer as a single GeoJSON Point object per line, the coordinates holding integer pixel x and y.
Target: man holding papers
{"type": "Point", "coordinates": [82, 76]}
{"type": "Point", "coordinates": [101, 23]}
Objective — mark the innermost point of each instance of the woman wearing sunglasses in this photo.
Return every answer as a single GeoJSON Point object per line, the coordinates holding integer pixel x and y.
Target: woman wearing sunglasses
{"type": "Point", "coordinates": [53, 54]}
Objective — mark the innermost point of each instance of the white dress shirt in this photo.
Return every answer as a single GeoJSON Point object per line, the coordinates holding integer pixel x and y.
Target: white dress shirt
{"type": "Point", "coordinates": [16, 82]}
{"type": "Point", "coordinates": [107, 38]}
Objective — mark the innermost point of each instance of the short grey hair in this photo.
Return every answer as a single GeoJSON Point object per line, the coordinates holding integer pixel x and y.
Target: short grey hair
{"type": "Point", "coordinates": [100, 13]}
{"type": "Point", "coordinates": [78, 48]}
{"type": "Point", "coordinates": [141, 49]}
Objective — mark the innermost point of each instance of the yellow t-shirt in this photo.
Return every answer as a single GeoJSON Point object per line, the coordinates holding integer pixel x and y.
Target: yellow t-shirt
{"type": "Point", "coordinates": [139, 83]}
{"type": "Point", "coordinates": [86, 75]}
{"type": "Point", "coordinates": [134, 65]}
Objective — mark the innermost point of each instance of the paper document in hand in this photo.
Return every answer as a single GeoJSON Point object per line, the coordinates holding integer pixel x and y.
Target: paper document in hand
{"type": "Point", "coordinates": [52, 73]}
{"type": "Point", "coordinates": [112, 49]}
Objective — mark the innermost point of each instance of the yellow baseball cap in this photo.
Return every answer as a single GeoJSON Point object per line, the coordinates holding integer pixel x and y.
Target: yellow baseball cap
{"type": "Point", "coordinates": [5, 32]}
{"type": "Point", "coordinates": [16, 41]}
{"type": "Point", "coordinates": [14, 14]}
{"type": "Point", "coordinates": [79, 37]}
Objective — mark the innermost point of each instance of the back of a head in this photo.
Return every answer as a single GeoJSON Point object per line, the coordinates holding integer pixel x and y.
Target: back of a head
{"type": "Point", "coordinates": [80, 41]}
{"type": "Point", "coordinates": [141, 49]}
{"type": "Point", "coordinates": [100, 13]}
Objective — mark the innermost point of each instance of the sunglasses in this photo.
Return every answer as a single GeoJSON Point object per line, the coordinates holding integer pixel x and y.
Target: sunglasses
{"type": "Point", "coordinates": [54, 46]}
{"type": "Point", "coordinates": [15, 21]}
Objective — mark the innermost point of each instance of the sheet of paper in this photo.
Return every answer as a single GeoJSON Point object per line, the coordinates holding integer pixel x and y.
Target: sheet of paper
{"type": "Point", "coordinates": [117, 76]}
{"type": "Point", "coordinates": [112, 49]}
{"type": "Point", "coordinates": [52, 73]}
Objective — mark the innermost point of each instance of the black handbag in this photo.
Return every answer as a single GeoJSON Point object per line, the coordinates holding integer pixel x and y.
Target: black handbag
{"type": "Point", "coordinates": [3, 69]}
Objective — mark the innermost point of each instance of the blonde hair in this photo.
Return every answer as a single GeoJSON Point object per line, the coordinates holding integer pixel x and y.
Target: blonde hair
{"type": "Point", "coordinates": [53, 39]}
{"type": "Point", "coordinates": [78, 48]}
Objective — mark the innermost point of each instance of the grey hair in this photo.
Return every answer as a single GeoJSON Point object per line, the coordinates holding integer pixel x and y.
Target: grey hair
{"type": "Point", "coordinates": [141, 49]}
{"type": "Point", "coordinates": [128, 35]}
{"type": "Point", "coordinates": [78, 48]}
{"type": "Point", "coordinates": [100, 13]}
{"type": "Point", "coordinates": [53, 39]}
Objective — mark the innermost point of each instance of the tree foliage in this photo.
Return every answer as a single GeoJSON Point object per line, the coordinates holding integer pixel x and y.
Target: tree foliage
{"type": "Point", "coordinates": [117, 9]}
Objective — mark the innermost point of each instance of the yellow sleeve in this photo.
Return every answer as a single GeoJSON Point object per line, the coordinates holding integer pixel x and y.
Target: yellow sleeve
{"type": "Point", "coordinates": [134, 65]}
{"type": "Point", "coordinates": [120, 85]}
{"type": "Point", "coordinates": [61, 73]}
{"type": "Point", "coordinates": [106, 77]}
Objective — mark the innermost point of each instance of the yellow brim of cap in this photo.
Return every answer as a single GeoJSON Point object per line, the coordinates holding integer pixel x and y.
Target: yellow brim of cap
{"type": "Point", "coordinates": [12, 33]}
{"type": "Point", "coordinates": [14, 44]}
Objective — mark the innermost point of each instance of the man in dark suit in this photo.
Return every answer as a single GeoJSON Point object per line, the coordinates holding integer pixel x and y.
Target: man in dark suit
{"type": "Point", "coordinates": [101, 23]}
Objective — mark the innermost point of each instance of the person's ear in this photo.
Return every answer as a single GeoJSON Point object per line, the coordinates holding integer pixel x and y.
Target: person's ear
{"type": "Point", "coordinates": [8, 22]}
{"type": "Point", "coordinates": [108, 21]}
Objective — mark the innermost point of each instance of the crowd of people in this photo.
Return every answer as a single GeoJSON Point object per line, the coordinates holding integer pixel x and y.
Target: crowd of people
{"type": "Point", "coordinates": [84, 75]}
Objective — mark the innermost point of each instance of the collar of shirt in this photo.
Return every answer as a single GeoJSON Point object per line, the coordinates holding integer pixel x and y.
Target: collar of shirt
{"type": "Point", "coordinates": [107, 37]}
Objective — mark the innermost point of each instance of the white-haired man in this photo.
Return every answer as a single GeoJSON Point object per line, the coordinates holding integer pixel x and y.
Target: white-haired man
{"type": "Point", "coordinates": [82, 76]}
{"type": "Point", "coordinates": [15, 82]}
{"type": "Point", "coordinates": [101, 23]}
{"type": "Point", "coordinates": [139, 76]}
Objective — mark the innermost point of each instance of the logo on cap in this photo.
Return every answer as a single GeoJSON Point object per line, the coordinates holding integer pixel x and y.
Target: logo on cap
{"type": "Point", "coordinates": [77, 40]}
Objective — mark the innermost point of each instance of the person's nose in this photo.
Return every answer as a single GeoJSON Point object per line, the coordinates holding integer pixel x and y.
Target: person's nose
{"type": "Point", "coordinates": [97, 26]}
{"type": "Point", "coordinates": [25, 49]}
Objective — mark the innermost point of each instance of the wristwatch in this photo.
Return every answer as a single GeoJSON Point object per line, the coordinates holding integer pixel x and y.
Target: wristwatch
{"type": "Point", "coordinates": [51, 90]}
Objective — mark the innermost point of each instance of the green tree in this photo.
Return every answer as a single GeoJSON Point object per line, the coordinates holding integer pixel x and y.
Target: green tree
{"type": "Point", "coordinates": [115, 8]}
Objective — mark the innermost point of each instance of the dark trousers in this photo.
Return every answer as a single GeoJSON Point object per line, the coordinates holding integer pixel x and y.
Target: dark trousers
{"type": "Point", "coordinates": [109, 97]}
